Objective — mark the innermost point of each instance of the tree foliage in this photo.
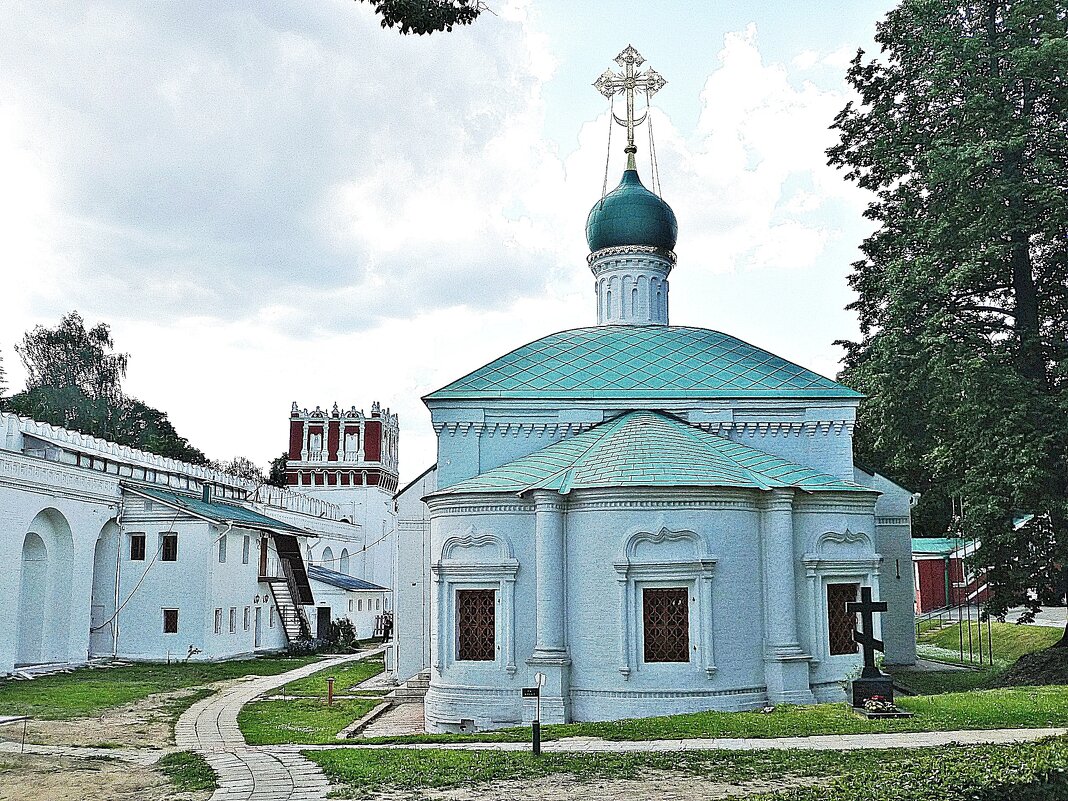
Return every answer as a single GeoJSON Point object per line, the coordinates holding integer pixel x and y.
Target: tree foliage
{"type": "Point", "coordinates": [74, 380]}
{"type": "Point", "coordinates": [961, 131]}
{"type": "Point", "coordinates": [277, 476]}
{"type": "Point", "coordinates": [242, 468]}
{"type": "Point", "coordinates": [426, 16]}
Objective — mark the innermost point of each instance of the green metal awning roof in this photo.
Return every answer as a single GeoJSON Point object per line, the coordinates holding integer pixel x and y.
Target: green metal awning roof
{"type": "Point", "coordinates": [943, 546]}
{"type": "Point", "coordinates": [216, 511]}
{"type": "Point", "coordinates": [641, 362]}
{"type": "Point", "coordinates": [648, 449]}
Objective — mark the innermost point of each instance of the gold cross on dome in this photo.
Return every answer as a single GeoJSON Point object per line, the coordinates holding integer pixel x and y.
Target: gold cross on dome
{"type": "Point", "coordinates": [627, 83]}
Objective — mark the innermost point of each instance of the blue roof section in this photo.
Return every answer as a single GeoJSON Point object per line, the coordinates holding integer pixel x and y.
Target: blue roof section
{"type": "Point", "coordinates": [341, 580]}
{"type": "Point", "coordinates": [633, 362]}
{"type": "Point", "coordinates": [217, 511]}
{"type": "Point", "coordinates": [649, 449]}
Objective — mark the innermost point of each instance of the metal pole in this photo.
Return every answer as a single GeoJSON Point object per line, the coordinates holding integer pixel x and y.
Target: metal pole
{"type": "Point", "coordinates": [330, 691]}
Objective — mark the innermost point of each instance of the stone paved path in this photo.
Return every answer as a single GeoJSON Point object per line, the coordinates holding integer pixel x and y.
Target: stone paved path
{"type": "Point", "coordinates": [251, 773]}
{"type": "Point", "coordinates": [401, 719]}
{"type": "Point", "coordinates": [829, 742]}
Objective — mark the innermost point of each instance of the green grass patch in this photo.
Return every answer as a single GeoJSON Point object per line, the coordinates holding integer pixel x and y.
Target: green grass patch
{"type": "Point", "coordinates": [188, 772]}
{"type": "Point", "coordinates": [347, 677]}
{"type": "Point", "coordinates": [926, 682]}
{"type": "Point", "coordinates": [89, 691]}
{"type": "Point", "coordinates": [1008, 641]}
{"type": "Point", "coordinates": [308, 721]}
{"type": "Point", "coordinates": [1026, 772]}
{"type": "Point", "coordinates": [1015, 707]}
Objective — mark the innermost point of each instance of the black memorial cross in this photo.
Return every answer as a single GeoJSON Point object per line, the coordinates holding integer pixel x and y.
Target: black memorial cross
{"type": "Point", "coordinates": [865, 637]}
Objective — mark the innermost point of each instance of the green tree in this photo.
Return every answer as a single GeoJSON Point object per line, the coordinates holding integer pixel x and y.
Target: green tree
{"type": "Point", "coordinates": [243, 468]}
{"type": "Point", "coordinates": [961, 131]}
{"type": "Point", "coordinates": [277, 475]}
{"type": "Point", "coordinates": [426, 16]}
{"type": "Point", "coordinates": [74, 380]}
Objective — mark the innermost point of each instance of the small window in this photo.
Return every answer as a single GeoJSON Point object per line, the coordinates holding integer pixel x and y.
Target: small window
{"type": "Point", "coordinates": [350, 604]}
{"type": "Point", "coordinates": [840, 623]}
{"type": "Point", "coordinates": [246, 543]}
{"type": "Point", "coordinates": [378, 604]}
{"type": "Point", "coordinates": [170, 621]}
{"type": "Point", "coordinates": [169, 547]}
{"type": "Point", "coordinates": [359, 605]}
{"type": "Point", "coordinates": [218, 621]}
{"type": "Point", "coordinates": [666, 621]}
{"type": "Point", "coordinates": [233, 619]}
{"type": "Point", "coordinates": [137, 547]}
{"type": "Point", "coordinates": [270, 618]}
{"type": "Point", "coordinates": [476, 625]}
{"type": "Point", "coordinates": [222, 549]}
{"type": "Point", "coordinates": [248, 616]}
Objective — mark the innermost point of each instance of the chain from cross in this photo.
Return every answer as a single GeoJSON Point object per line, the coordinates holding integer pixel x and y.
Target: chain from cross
{"type": "Point", "coordinates": [865, 637]}
{"type": "Point", "coordinates": [627, 83]}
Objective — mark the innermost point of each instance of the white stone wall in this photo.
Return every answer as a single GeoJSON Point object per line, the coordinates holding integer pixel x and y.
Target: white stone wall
{"type": "Point", "coordinates": [362, 607]}
{"type": "Point", "coordinates": [409, 652]}
{"type": "Point", "coordinates": [755, 566]}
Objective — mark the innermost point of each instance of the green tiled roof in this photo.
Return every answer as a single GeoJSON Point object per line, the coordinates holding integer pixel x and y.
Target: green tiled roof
{"type": "Point", "coordinates": [216, 510]}
{"type": "Point", "coordinates": [641, 362]}
{"type": "Point", "coordinates": [936, 545]}
{"type": "Point", "coordinates": [648, 449]}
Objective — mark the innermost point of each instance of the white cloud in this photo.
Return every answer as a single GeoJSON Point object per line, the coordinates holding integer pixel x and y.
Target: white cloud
{"type": "Point", "coordinates": [292, 204]}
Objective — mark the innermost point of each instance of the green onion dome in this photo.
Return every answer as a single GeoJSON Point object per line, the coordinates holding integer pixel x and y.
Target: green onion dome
{"type": "Point", "coordinates": [631, 215]}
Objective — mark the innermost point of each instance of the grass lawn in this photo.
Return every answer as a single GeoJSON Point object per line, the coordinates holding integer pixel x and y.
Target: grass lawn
{"type": "Point", "coordinates": [188, 771]}
{"type": "Point", "coordinates": [308, 721]}
{"type": "Point", "coordinates": [1028, 772]}
{"type": "Point", "coordinates": [1010, 641]}
{"type": "Point", "coordinates": [923, 682]}
{"type": "Point", "coordinates": [88, 691]}
{"type": "Point", "coordinates": [347, 677]}
{"type": "Point", "coordinates": [1015, 707]}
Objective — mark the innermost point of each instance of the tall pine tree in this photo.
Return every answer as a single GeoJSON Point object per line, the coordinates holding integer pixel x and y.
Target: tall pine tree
{"type": "Point", "coordinates": [961, 131]}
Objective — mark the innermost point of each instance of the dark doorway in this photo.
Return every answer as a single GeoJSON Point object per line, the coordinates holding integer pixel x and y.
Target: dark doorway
{"type": "Point", "coordinates": [322, 622]}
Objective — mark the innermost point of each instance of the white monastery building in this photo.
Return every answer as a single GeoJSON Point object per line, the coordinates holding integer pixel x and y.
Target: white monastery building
{"type": "Point", "coordinates": [659, 519]}
{"type": "Point", "coordinates": [115, 552]}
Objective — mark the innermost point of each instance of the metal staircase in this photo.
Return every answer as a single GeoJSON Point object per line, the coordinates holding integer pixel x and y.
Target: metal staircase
{"type": "Point", "coordinates": [291, 591]}
{"type": "Point", "coordinates": [294, 621]}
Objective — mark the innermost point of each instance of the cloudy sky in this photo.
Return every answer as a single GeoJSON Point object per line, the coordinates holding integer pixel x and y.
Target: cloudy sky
{"type": "Point", "coordinates": [272, 202]}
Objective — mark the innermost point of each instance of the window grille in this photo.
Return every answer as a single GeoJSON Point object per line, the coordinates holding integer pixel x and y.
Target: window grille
{"type": "Point", "coordinates": [170, 547]}
{"type": "Point", "coordinates": [170, 621]}
{"type": "Point", "coordinates": [233, 619]}
{"type": "Point", "coordinates": [476, 625]}
{"type": "Point", "coordinates": [666, 617]}
{"type": "Point", "coordinates": [137, 547]}
{"type": "Point", "coordinates": [840, 623]}
{"type": "Point", "coordinates": [218, 621]}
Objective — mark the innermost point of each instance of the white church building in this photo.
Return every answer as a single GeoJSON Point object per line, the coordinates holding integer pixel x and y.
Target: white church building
{"type": "Point", "coordinates": [659, 519]}
{"type": "Point", "coordinates": [115, 552]}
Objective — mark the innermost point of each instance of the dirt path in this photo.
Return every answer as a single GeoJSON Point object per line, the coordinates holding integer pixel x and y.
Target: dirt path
{"type": "Point", "coordinates": [39, 778]}
{"type": "Point", "coordinates": [656, 786]}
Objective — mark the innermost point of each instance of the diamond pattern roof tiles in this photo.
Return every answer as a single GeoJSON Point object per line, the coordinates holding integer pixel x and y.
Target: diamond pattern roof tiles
{"type": "Point", "coordinates": [653, 362]}
{"type": "Point", "coordinates": [649, 449]}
